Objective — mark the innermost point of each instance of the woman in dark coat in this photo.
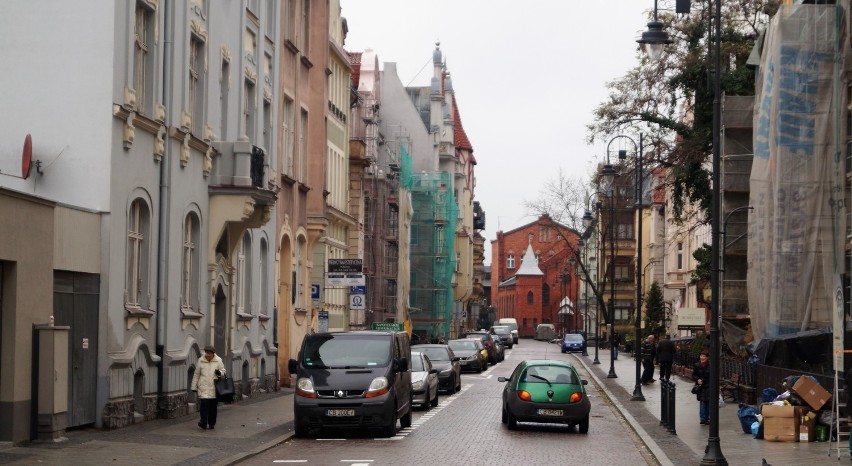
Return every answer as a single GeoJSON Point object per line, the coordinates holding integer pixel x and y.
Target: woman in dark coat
{"type": "Point", "coordinates": [701, 376]}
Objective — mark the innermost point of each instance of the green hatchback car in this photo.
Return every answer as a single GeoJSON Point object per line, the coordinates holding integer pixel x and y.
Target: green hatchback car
{"type": "Point", "coordinates": [548, 392]}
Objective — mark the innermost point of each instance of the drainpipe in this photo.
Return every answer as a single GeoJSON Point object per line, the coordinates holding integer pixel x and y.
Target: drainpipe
{"type": "Point", "coordinates": [165, 176]}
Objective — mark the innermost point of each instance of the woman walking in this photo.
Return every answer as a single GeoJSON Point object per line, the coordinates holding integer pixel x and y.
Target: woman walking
{"type": "Point", "coordinates": [701, 376]}
{"type": "Point", "coordinates": [208, 369]}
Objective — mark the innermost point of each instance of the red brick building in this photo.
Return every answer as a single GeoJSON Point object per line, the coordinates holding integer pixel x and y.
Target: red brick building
{"type": "Point", "coordinates": [532, 270]}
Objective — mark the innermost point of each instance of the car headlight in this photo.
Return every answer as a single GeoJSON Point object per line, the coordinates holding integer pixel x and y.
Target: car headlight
{"type": "Point", "coordinates": [417, 386]}
{"type": "Point", "coordinates": [473, 357]}
{"type": "Point", "coordinates": [378, 387]}
{"type": "Point", "coordinates": [305, 388]}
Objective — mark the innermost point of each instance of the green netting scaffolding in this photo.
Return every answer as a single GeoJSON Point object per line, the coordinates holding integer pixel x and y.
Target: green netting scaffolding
{"type": "Point", "coordinates": [433, 256]}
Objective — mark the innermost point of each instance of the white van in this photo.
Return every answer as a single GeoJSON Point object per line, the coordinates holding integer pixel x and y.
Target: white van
{"type": "Point", "coordinates": [513, 325]}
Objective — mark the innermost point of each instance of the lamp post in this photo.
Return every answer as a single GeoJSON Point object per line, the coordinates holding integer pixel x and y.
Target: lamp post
{"type": "Point", "coordinates": [608, 177]}
{"type": "Point", "coordinates": [586, 322]}
{"type": "Point", "coordinates": [655, 37]}
{"type": "Point", "coordinates": [637, 327]}
{"type": "Point", "coordinates": [587, 222]}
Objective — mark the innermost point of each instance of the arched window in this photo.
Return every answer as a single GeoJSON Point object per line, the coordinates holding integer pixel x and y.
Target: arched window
{"type": "Point", "coordinates": [138, 239]}
{"type": "Point", "coordinates": [189, 264]}
{"type": "Point", "coordinates": [545, 294]}
{"type": "Point", "coordinates": [530, 297]}
{"type": "Point", "coordinates": [244, 275]}
{"type": "Point", "coordinates": [510, 261]}
{"type": "Point", "coordinates": [263, 263]}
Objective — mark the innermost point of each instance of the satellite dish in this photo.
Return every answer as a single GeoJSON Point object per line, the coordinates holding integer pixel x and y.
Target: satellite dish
{"type": "Point", "coordinates": [27, 157]}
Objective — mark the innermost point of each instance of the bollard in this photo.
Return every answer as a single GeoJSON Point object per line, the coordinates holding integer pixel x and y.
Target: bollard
{"type": "Point", "coordinates": [664, 403]}
{"type": "Point", "coordinates": [671, 408]}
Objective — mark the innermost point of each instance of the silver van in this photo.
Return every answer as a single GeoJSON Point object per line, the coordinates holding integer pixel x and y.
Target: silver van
{"type": "Point", "coordinates": [512, 323]}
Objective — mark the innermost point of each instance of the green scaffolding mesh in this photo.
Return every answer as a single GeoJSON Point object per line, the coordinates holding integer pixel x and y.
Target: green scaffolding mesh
{"type": "Point", "coordinates": [433, 256]}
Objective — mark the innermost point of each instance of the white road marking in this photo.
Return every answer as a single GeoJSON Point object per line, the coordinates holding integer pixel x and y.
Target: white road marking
{"type": "Point", "coordinates": [331, 439]}
{"type": "Point", "coordinates": [356, 461]}
{"type": "Point", "coordinates": [289, 461]}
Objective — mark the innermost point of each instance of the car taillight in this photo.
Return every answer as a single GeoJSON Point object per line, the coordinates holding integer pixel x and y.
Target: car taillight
{"type": "Point", "coordinates": [576, 396]}
{"type": "Point", "coordinates": [524, 395]}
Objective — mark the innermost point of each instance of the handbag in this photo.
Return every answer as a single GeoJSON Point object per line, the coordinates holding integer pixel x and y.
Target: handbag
{"type": "Point", "coordinates": [225, 389]}
{"type": "Point", "coordinates": [696, 389]}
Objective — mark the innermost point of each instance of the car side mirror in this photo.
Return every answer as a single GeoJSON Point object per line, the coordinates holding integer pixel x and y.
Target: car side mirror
{"type": "Point", "coordinates": [502, 379]}
{"type": "Point", "coordinates": [585, 382]}
{"type": "Point", "coordinates": [292, 366]}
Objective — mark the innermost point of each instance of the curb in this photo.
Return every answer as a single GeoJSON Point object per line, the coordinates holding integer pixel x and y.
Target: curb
{"type": "Point", "coordinates": [646, 439]}
{"type": "Point", "coordinates": [239, 457]}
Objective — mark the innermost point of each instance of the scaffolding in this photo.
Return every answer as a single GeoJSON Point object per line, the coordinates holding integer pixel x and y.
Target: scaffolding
{"type": "Point", "coordinates": [433, 257]}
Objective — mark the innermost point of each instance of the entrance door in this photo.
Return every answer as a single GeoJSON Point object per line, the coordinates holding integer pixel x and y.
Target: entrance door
{"type": "Point", "coordinates": [75, 303]}
{"type": "Point", "coordinates": [220, 323]}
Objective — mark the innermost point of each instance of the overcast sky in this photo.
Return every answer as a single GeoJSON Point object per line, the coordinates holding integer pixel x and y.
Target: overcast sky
{"type": "Point", "coordinates": [527, 76]}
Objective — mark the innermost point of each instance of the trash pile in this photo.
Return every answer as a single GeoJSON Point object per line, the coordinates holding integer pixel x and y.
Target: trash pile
{"type": "Point", "coordinates": [801, 414]}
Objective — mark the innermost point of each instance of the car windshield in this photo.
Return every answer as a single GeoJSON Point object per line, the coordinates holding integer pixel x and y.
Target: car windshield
{"type": "Point", "coordinates": [502, 330]}
{"type": "Point", "coordinates": [468, 345]}
{"type": "Point", "coordinates": [417, 363]}
{"type": "Point", "coordinates": [350, 350]}
{"type": "Point", "coordinates": [436, 354]}
{"type": "Point", "coordinates": [574, 338]}
{"type": "Point", "coordinates": [549, 374]}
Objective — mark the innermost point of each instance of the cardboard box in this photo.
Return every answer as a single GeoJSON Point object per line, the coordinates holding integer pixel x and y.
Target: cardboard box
{"type": "Point", "coordinates": [811, 392]}
{"type": "Point", "coordinates": [781, 429]}
{"type": "Point", "coordinates": [807, 428]}
{"type": "Point", "coordinates": [770, 410]}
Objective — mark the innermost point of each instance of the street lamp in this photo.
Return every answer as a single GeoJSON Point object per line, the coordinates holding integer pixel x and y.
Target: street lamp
{"type": "Point", "coordinates": [637, 327]}
{"type": "Point", "coordinates": [713, 452]}
{"type": "Point", "coordinates": [587, 223]}
{"type": "Point", "coordinates": [586, 323]}
{"type": "Point", "coordinates": [608, 178]}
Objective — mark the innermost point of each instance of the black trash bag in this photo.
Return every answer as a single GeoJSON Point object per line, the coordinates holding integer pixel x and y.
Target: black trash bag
{"type": "Point", "coordinates": [748, 415]}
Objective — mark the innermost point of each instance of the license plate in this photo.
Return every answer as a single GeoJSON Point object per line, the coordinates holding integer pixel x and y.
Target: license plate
{"type": "Point", "coordinates": [339, 412]}
{"type": "Point", "coordinates": [549, 412]}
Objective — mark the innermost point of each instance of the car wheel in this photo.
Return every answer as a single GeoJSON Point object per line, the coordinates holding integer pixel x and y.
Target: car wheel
{"type": "Point", "coordinates": [511, 421]}
{"type": "Point", "coordinates": [504, 418]}
{"type": "Point", "coordinates": [458, 384]}
{"type": "Point", "coordinates": [563, 351]}
{"type": "Point", "coordinates": [584, 425]}
{"type": "Point", "coordinates": [301, 430]}
{"type": "Point", "coordinates": [405, 420]}
{"type": "Point", "coordinates": [434, 402]}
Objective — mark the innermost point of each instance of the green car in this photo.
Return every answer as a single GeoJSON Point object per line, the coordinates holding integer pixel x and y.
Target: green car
{"type": "Point", "coordinates": [546, 391]}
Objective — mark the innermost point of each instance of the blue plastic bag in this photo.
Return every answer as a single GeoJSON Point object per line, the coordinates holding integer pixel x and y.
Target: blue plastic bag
{"type": "Point", "coordinates": [748, 416]}
{"type": "Point", "coordinates": [768, 395]}
{"type": "Point", "coordinates": [755, 427]}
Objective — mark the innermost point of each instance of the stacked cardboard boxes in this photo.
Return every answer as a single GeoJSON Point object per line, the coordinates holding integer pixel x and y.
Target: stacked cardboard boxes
{"type": "Point", "coordinates": [790, 423]}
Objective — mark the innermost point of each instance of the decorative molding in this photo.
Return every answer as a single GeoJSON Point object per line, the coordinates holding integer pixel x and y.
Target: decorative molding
{"type": "Point", "coordinates": [184, 151]}
{"type": "Point", "coordinates": [248, 209]}
{"type": "Point", "coordinates": [190, 321]}
{"type": "Point", "coordinates": [198, 29]}
{"type": "Point", "coordinates": [129, 131]}
{"type": "Point", "coordinates": [226, 53]}
{"type": "Point", "coordinates": [267, 95]}
{"type": "Point", "coordinates": [208, 162]}
{"type": "Point", "coordinates": [208, 133]}
{"type": "Point", "coordinates": [185, 121]}
{"type": "Point", "coordinates": [130, 97]}
{"type": "Point", "coordinates": [160, 113]}
{"type": "Point", "coordinates": [160, 144]}
{"type": "Point", "coordinates": [251, 74]}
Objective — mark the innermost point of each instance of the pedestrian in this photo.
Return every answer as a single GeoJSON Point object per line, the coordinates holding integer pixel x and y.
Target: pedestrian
{"type": "Point", "coordinates": [208, 369]}
{"type": "Point", "coordinates": [665, 355]}
{"type": "Point", "coordinates": [649, 354]}
{"type": "Point", "coordinates": [616, 340]}
{"type": "Point", "coordinates": [701, 376]}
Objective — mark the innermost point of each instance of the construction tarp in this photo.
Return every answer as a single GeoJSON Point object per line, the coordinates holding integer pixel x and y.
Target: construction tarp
{"type": "Point", "coordinates": [797, 228]}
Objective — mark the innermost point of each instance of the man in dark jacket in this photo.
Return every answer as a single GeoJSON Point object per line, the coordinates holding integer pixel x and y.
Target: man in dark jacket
{"type": "Point", "coordinates": [649, 353]}
{"type": "Point", "coordinates": [665, 356]}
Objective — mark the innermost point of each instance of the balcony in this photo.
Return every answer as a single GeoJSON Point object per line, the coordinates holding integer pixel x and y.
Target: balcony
{"type": "Point", "coordinates": [239, 189]}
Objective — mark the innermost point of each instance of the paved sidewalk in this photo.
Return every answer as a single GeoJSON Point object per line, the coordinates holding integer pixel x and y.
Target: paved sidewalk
{"type": "Point", "coordinates": [687, 447]}
{"type": "Point", "coordinates": [242, 430]}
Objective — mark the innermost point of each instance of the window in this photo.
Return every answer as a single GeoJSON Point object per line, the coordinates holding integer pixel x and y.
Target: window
{"type": "Point", "coordinates": [196, 83]}
{"type": "Point", "coordinates": [680, 256]}
{"type": "Point", "coordinates": [224, 88]}
{"type": "Point", "coordinates": [267, 126]}
{"type": "Point", "coordinates": [544, 234]}
{"type": "Point", "coordinates": [622, 272]}
{"type": "Point", "coordinates": [624, 231]}
{"type": "Point", "coordinates": [306, 20]}
{"type": "Point", "coordinates": [190, 267]}
{"type": "Point", "coordinates": [264, 277]}
{"type": "Point", "coordinates": [270, 17]}
{"type": "Point", "coordinates": [244, 275]}
{"type": "Point", "coordinates": [545, 294]}
{"type": "Point", "coordinates": [248, 110]}
{"type": "Point", "coordinates": [288, 133]}
{"type": "Point", "coordinates": [510, 261]}
{"type": "Point", "coordinates": [143, 57]}
{"type": "Point", "coordinates": [138, 224]}
{"type": "Point", "coordinates": [288, 20]}
{"type": "Point", "coordinates": [530, 237]}
{"type": "Point", "coordinates": [303, 147]}
{"type": "Point", "coordinates": [530, 297]}
{"type": "Point", "coordinates": [458, 261]}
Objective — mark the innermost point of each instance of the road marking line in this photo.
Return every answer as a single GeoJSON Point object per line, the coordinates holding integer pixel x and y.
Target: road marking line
{"type": "Point", "coordinates": [357, 461]}
{"type": "Point", "coordinates": [289, 461]}
{"type": "Point", "coordinates": [331, 439]}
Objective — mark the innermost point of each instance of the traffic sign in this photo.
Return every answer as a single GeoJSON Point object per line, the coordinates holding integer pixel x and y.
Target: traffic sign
{"type": "Point", "coordinates": [315, 291]}
{"type": "Point", "coordinates": [356, 301]}
{"type": "Point", "coordinates": [388, 326]}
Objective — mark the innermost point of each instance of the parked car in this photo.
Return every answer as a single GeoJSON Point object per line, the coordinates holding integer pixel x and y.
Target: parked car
{"type": "Point", "coordinates": [545, 332]}
{"type": "Point", "coordinates": [352, 379]}
{"type": "Point", "coordinates": [500, 350]}
{"type": "Point", "coordinates": [424, 381]}
{"type": "Point", "coordinates": [470, 353]}
{"type": "Point", "coordinates": [545, 391]}
{"type": "Point", "coordinates": [483, 352]}
{"type": "Point", "coordinates": [573, 342]}
{"type": "Point", "coordinates": [447, 363]}
{"type": "Point", "coordinates": [513, 327]}
{"type": "Point", "coordinates": [487, 341]}
{"type": "Point", "coordinates": [504, 333]}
